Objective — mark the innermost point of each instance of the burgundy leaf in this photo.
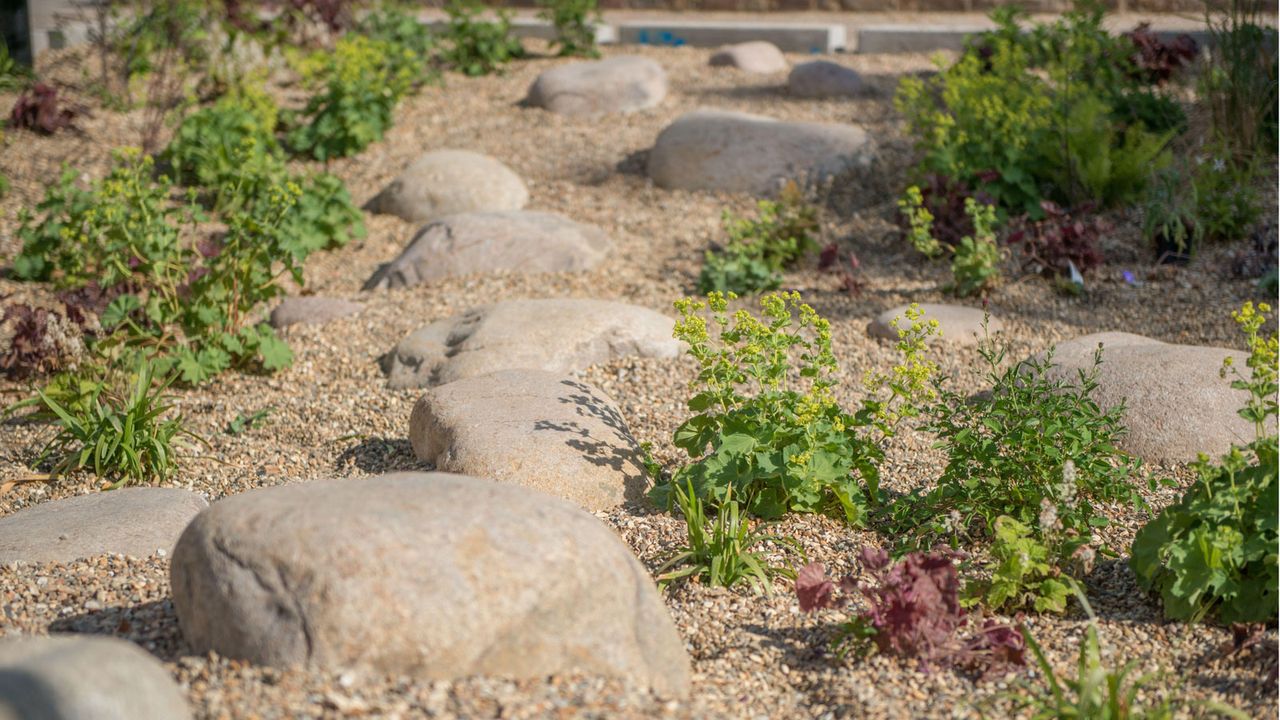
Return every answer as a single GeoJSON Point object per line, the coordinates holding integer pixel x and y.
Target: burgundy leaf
{"type": "Point", "coordinates": [813, 589]}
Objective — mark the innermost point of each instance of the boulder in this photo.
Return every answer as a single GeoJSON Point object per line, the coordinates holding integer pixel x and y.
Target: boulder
{"type": "Point", "coordinates": [823, 78]}
{"type": "Point", "coordinates": [740, 152]}
{"type": "Point", "coordinates": [518, 241]}
{"type": "Point", "coordinates": [1176, 403]}
{"type": "Point", "coordinates": [447, 182]}
{"type": "Point", "coordinates": [432, 575]}
{"type": "Point", "coordinates": [558, 335]}
{"type": "Point", "coordinates": [128, 521]}
{"type": "Point", "coordinates": [311, 310]}
{"type": "Point", "coordinates": [533, 428]}
{"type": "Point", "coordinates": [622, 84]}
{"type": "Point", "coordinates": [957, 324]}
{"type": "Point", "coordinates": [756, 56]}
{"type": "Point", "coordinates": [85, 678]}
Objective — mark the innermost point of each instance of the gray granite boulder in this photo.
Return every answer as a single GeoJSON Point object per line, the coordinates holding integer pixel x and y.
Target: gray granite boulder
{"type": "Point", "coordinates": [740, 152]}
{"type": "Point", "coordinates": [622, 84]}
{"type": "Point", "coordinates": [85, 678]}
{"type": "Point", "coordinates": [518, 241]}
{"type": "Point", "coordinates": [533, 428]}
{"type": "Point", "coordinates": [555, 334]}
{"type": "Point", "coordinates": [957, 324]}
{"type": "Point", "coordinates": [129, 521]}
{"type": "Point", "coordinates": [756, 56]}
{"type": "Point", "coordinates": [311, 310]}
{"type": "Point", "coordinates": [432, 575]}
{"type": "Point", "coordinates": [447, 182]}
{"type": "Point", "coordinates": [823, 78]}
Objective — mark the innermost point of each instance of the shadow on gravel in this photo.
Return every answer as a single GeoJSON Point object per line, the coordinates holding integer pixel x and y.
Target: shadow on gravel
{"type": "Point", "coordinates": [635, 163]}
{"type": "Point", "coordinates": [152, 625]}
{"type": "Point", "coordinates": [381, 455]}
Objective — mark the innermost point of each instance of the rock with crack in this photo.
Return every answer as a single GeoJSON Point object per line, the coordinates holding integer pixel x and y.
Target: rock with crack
{"type": "Point", "coordinates": [518, 241]}
{"type": "Point", "coordinates": [432, 575]}
{"type": "Point", "coordinates": [1177, 405]}
{"type": "Point", "coordinates": [533, 428]}
{"type": "Point", "coordinates": [448, 182]}
{"type": "Point", "coordinates": [740, 152]}
{"type": "Point", "coordinates": [131, 521]}
{"type": "Point", "coordinates": [554, 334]}
{"type": "Point", "coordinates": [85, 678]}
{"type": "Point", "coordinates": [621, 84]}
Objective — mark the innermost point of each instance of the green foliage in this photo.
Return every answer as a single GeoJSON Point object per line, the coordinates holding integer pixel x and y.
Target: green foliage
{"type": "Point", "coordinates": [14, 76]}
{"type": "Point", "coordinates": [475, 47]}
{"type": "Point", "coordinates": [1038, 448]}
{"type": "Point", "coordinates": [159, 26]}
{"type": "Point", "coordinates": [1241, 84]}
{"type": "Point", "coordinates": [719, 551]}
{"type": "Point", "coordinates": [1229, 205]}
{"type": "Point", "coordinates": [216, 146]}
{"type": "Point", "coordinates": [1024, 574]}
{"type": "Point", "coordinates": [1094, 162]}
{"type": "Point", "coordinates": [759, 249]}
{"type": "Point", "coordinates": [243, 422]}
{"type": "Point", "coordinates": [364, 80]}
{"type": "Point", "coordinates": [919, 223]}
{"type": "Point", "coordinates": [124, 438]}
{"type": "Point", "coordinates": [1169, 211]}
{"type": "Point", "coordinates": [770, 443]}
{"type": "Point", "coordinates": [976, 263]}
{"type": "Point", "coordinates": [575, 33]}
{"type": "Point", "coordinates": [397, 27]}
{"type": "Point", "coordinates": [1214, 553]}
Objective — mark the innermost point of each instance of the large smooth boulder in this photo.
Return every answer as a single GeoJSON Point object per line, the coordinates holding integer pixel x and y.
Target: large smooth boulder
{"type": "Point", "coordinates": [312, 310]}
{"type": "Point", "coordinates": [433, 575]}
{"type": "Point", "coordinates": [1176, 403]}
{"type": "Point", "coordinates": [756, 56]}
{"type": "Point", "coordinates": [622, 84]}
{"type": "Point", "coordinates": [130, 521]}
{"type": "Point", "coordinates": [823, 78]}
{"type": "Point", "coordinates": [740, 152]}
{"type": "Point", "coordinates": [533, 428]}
{"type": "Point", "coordinates": [558, 335]}
{"type": "Point", "coordinates": [447, 182]}
{"type": "Point", "coordinates": [85, 678]}
{"type": "Point", "coordinates": [519, 241]}
{"type": "Point", "coordinates": [957, 324]}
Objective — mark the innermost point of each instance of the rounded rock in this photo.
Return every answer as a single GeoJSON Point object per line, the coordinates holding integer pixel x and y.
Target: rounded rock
{"type": "Point", "coordinates": [756, 56]}
{"type": "Point", "coordinates": [823, 78]}
{"type": "Point", "coordinates": [446, 182]}
{"type": "Point", "coordinates": [957, 324]}
{"type": "Point", "coordinates": [622, 84]}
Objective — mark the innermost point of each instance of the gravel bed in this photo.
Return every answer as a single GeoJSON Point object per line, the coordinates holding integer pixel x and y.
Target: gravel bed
{"type": "Point", "coordinates": [332, 416]}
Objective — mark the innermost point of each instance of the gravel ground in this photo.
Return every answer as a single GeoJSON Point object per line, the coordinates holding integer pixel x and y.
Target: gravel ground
{"type": "Point", "coordinates": [332, 416]}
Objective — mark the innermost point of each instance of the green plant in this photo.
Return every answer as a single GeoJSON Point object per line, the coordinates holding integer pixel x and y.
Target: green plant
{"type": "Point", "coordinates": [1024, 574]}
{"type": "Point", "coordinates": [1213, 554]}
{"type": "Point", "coordinates": [124, 438]}
{"type": "Point", "coordinates": [1094, 162]}
{"type": "Point", "coordinates": [475, 47]}
{"type": "Point", "coordinates": [976, 262]}
{"type": "Point", "coordinates": [364, 80]}
{"type": "Point", "coordinates": [216, 146]}
{"type": "Point", "coordinates": [720, 551]}
{"type": "Point", "coordinates": [1169, 212]}
{"type": "Point", "coordinates": [251, 421]}
{"type": "Point", "coordinates": [760, 248]}
{"type": "Point", "coordinates": [573, 19]}
{"type": "Point", "coordinates": [1037, 448]}
{"type": "Point", "coordinates": [1240, 84]}
{"type": "Point", "coordinates": [13, 74]}
{"type": "Point", "coordinates": [919, 223]}
{"type": "Point", "coordinates": [1229, 204]}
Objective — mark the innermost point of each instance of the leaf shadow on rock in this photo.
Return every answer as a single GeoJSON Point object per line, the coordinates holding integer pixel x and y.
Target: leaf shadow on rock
{"type": "Point", "coordinates": [380, 455]}
{"type": "Point", "coordinates": [153, 626]}
{"type": "Point", "coordinates": [618, 450]}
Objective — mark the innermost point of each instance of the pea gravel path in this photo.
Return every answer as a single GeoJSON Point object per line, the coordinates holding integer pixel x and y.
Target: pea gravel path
{"type": "Point", "coordinates": [332, 415]}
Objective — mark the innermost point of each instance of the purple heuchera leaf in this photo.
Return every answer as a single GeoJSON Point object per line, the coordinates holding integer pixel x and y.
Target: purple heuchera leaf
{"type": "Point", "coordinates": [813, 589]}
{"type": "Point", "coordinates": [915, 603]}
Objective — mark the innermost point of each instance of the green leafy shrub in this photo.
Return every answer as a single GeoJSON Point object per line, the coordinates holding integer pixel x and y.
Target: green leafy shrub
{"type": "Point", "coordinates": [1024, 574]}
{"type": "Point", "coordinates": [1228, 203]}
{"type": "Point", "coordinates": [1094, 162]}
{"type": "Point", "coordinates": [758, 249]}
{"type": "Point", "coordinates": [14, 76]}
{"type": "Point", "coordinates": [975, 264]}
{"type": "Point", "coordinates": [1214, 553]}
{"type": "Point", "coordinates": [157, 26]}
{"type": "Point", "coordinates": [399, 29]}
{"type": "Point", "coordinates": [1169, 212]}
{"type": "Point", "coordinates": [1241, 84]}
{"type": "Point", "coordinates": [919, 223]}
{"type": "Point", "coordinates": [475, 47]}
{"type": "Point", "coordinates": [1037, 448]}
{"type": "Point", "coordinates": [719, 551]}
{"type": "Point", "coordinates": [217, 146]}
{"type": "Point", "coordinates": [573, 20]}
{"type": "Point", "coordinates": [125, 438]}
{"type": "Point", "coordinates": [364, 80]}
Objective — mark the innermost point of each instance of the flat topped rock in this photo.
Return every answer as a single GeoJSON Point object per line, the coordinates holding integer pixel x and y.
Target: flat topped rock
{"type": "Point", "coordinates": [957, 324]}
{"type": "Point", "coordinates": [518, 241]}
{"type": "Point", "coordinates": [75, 677]}
{"type": "Point", "coordinates": [312, 310]}
{"type": "Point", "coordinates": [128, 521]}
{"type": "Point", "coordinates": [756, 56]}
{"type": "Point", "coordinates": [740, 152]}
{"type": "Point", "coordinates": [432, 575]}
{"type": "Point", "coordinates": [823, 78]}
{"type": "Point", "coordinates": [1176, 403]}
{"type": "Point", "coordinates": [622, 84]}
{"type": "Point", "coordinates": [533, 428]}
{"type": "Point", "coordinates": [555, 334]}
{"type": "Point", "coordinates": [447, 182]}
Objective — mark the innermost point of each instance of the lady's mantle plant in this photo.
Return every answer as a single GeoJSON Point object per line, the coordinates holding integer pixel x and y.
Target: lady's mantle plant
{"type": "Point", "coordinates": [772, 431]}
